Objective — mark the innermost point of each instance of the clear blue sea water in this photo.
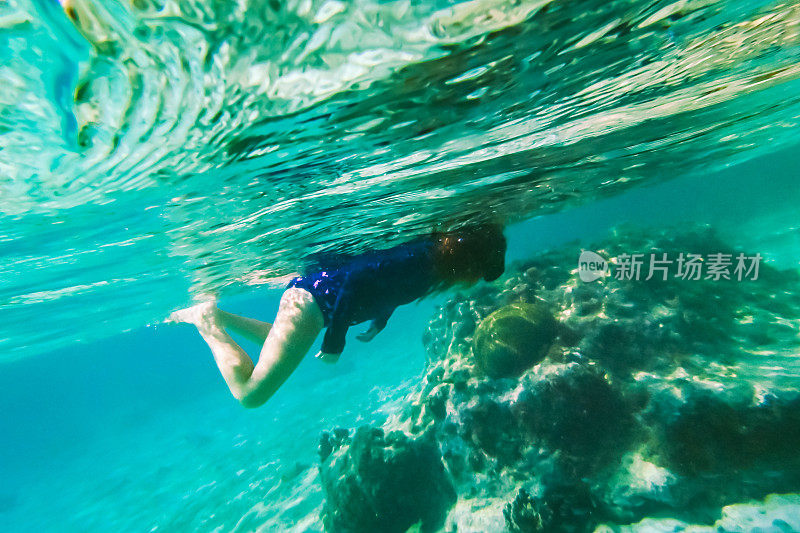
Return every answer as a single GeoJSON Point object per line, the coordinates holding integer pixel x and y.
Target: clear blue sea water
{"type": "Point", "coordinates": [155, 151]}
{"type": "Point", "coordinates": [137, 432]}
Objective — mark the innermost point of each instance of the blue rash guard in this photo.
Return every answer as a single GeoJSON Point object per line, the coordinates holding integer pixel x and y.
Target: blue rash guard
{"type": "Point", "coordinates": [369, 287]}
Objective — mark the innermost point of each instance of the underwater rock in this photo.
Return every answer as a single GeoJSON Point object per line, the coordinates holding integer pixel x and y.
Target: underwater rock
{"type": "Point", "coordinates": [383, 482]}
{"type": "Point", "coordinates": [521, 515]}
{"type": "Point", "coordinates": [328, 442]}
{"type": "Point", "coordinates": [637, 486]}
{"type": "Point", "coordinates": [513, 339]}
{"type": "Point", "coordinates": [561, 508]}
{"type": "Point", "coordinates": [493, 428]}
{"type": "Point", "coordinates": [577, 411]}
{"type": "Point", "coordinates": [778, 513]}
{"type": "Point", "coordinates": [451, 329]}
{"type": "Point", "coordinates": [705, 433]}
{"type": "Point", "coordinates": [634, 398]}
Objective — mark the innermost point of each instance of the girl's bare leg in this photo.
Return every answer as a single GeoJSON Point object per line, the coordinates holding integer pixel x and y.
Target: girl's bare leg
{"type": "Point", "coordinates": [250, 328]}
{"type": "Point", "coordinates": [297, 324]}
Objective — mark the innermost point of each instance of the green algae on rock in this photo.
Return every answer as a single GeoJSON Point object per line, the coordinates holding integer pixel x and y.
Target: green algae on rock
{"type": "Point", "coordinates": [514, 339]}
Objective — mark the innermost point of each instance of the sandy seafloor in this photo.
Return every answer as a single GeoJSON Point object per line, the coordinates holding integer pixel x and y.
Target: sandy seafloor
{"type": "Point", "coordinates": [137, 432]}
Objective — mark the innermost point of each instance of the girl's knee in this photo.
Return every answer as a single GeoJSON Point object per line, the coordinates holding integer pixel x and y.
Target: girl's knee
{"type": "Point", "coordinates": [299, 307]}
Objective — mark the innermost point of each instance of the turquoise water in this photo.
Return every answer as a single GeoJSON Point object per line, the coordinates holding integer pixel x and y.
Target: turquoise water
{"type": "Point", "coordinates": [138, 432]}
{"type": "Point", "coordinates": [152, 152]}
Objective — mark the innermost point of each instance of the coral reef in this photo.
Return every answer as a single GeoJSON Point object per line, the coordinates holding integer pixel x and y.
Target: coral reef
{"type": "Point", "coordinates": [376, 482]}
{"type": "Point", "coordinates": [561, 405]}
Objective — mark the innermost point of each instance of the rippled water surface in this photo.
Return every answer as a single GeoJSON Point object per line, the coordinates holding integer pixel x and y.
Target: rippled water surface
{"type": "Point", "coordinates": [219, 143]}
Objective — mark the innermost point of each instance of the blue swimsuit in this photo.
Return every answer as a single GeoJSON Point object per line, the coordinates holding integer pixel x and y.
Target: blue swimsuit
{"type": "Point", "coordinates": [369, 287]}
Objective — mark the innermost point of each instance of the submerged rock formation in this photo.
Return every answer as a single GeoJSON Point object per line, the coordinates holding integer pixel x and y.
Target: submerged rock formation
{"type": "Point", "coordinates": [566, 509]}
{"type": "Point", "coordinates": [561, 405]}
{"type": "Point", "coordinates": [377, 482]}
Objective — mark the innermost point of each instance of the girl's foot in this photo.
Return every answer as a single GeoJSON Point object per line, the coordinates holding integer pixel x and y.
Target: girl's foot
{"type": "Point", "coordinates": [202, 314]}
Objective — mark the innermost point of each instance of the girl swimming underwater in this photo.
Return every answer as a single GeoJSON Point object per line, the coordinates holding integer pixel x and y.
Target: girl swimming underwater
{"type": "Point", "coordinates": [365, 287]}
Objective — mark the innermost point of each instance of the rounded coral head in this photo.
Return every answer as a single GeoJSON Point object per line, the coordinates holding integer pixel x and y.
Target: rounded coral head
{"type": "Point", "coordinates": [470, 253]}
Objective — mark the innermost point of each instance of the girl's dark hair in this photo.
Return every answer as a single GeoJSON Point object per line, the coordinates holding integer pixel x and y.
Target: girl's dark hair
{"type": "Point", "coordinates": [470, 253]}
